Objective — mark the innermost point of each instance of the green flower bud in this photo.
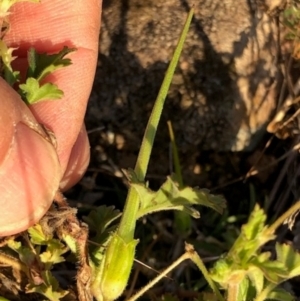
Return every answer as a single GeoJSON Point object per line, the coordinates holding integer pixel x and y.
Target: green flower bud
{"type": "Point", "coordinates": [117, 264]}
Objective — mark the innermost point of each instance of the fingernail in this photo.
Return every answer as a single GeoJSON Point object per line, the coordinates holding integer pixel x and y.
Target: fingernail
{"type": "Point", "coordinates": [29, 177]}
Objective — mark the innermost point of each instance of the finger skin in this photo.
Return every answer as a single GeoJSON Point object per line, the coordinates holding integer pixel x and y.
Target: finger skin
{"type": "Point", "coordinates": [31, 170]}
{"type": "Point", "coordinates": [29, 167]}
{"type": "Point", "coordinates": [48, 26]}
{"type": "Point", "coordinates": [79, 159]}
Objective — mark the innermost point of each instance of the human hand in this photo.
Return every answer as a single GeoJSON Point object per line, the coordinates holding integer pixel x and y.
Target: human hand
{"type": "Point", "coordinates": [31, 169]}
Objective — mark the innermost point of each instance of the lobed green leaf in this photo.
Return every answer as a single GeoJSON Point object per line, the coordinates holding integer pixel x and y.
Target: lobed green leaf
{"type": "Point", "coordinates": [252, 237]}
{"type": "Point", "coordinates": [42, 64]}
{"type": "Point", "coordinates": [171, 197]}
{"type": "Point", "coordinates": [280, 294]}
{"type": "Point", "coordinates": [37, 235]}
{"type": "Point", "coordinates": [32, 92]}
{"type": "Point", "coordinates": [100, 221]}
{"type": "Point", "coordinates": [289, 258]}
{"type": "Point", "coordinates": [50, 288]}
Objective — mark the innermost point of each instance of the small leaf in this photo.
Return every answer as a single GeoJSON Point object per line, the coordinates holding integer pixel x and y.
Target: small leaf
{"type": "Point", "coordinates": [290, 258]}
{"type": "Point", "coordinates": [37, 236]}
{"type": "Point", "coordinates": [53, 253]}
{"type": "Point", "coordinates": [100, 221]}
{"type": "Point", "coordinates": [6, 54]}
{"type": "Point", "coordinates": [274, 271]}
{"type": "Point", "coordinates": [6, 57]}
{"type": "Point", "coordinates": [170, 197]}
{"type": "Point", "coordinates": [221, 271]}
{"type": "Point", "coordinates": [50, 288]}
{"type": "Point", "coordinates": [256, 278]}
{"type": "Point", "coordinates": [280, 294]}
{"type": "Point", "coordinates": [41, 65]}
{"type": "Point", "coordinates": [32, 92]}
{"type": "Point", "coordinates": [5, 5]}
{"type": "Point", "coordinates": [26, 255]}
{"type": "Point", "coordinates": [252, 237]}
{"type": "Point", "coordinates": [10, 76]}
{"type": "Point", "coordinates": [256, 223]}
{"type": "Point", "coordinates": [54, 248]}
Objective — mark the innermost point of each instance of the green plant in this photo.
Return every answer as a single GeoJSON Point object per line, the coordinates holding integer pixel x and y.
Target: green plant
{"type": "Point", "coordinates": [291, 23]}
{"type": "Point", "coordinates": [183, 221]}
{"type": "Point", "coordinates": [119, 255]}
{"type": "Point", "coordinates": [39, 65]}
{"type": "Point", "coordinates": [105, 271]}
{"type": "Point", "coordinates": [246, 272]}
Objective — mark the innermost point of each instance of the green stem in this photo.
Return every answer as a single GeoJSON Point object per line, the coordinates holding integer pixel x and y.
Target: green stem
{"type": "Point", "coordinates": [264, 294]}
{"type": "Point", "coordinates": [159, 277]}
{"type": "Point", "coordinates": [233, 292]}
{"type": "Point", "coordinates": [199, 263]}
{"type": "Point", "coordinates": [183, 221]}
{"type": "Point", "coordinates": [177, 166]}
{"type": "Point", "coordinates": [189, 254]}
{"type": "Point", "coordinates": [283, 217]}
{"type": "Point", "coordinates": [128, 220]}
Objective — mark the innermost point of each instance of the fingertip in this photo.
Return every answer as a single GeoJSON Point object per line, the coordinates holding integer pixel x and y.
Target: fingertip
{"type": "Point", "coordinates": [29, 178]}
{"type": "Point", "coordinates": [78, 161]}
{"type": "Point", "coordinates": [30, 171]}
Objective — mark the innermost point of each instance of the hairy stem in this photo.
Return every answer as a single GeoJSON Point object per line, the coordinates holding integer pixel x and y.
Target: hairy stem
{"type": "Point", "coordinates": [128, 220]}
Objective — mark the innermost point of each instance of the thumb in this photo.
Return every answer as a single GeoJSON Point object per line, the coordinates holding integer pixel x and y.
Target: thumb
{"type": "Point", "coordinates": [29, 167]}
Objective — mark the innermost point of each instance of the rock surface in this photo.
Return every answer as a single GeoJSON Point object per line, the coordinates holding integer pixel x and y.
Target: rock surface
{"type": "Point", "coordinates": [224, 91]}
